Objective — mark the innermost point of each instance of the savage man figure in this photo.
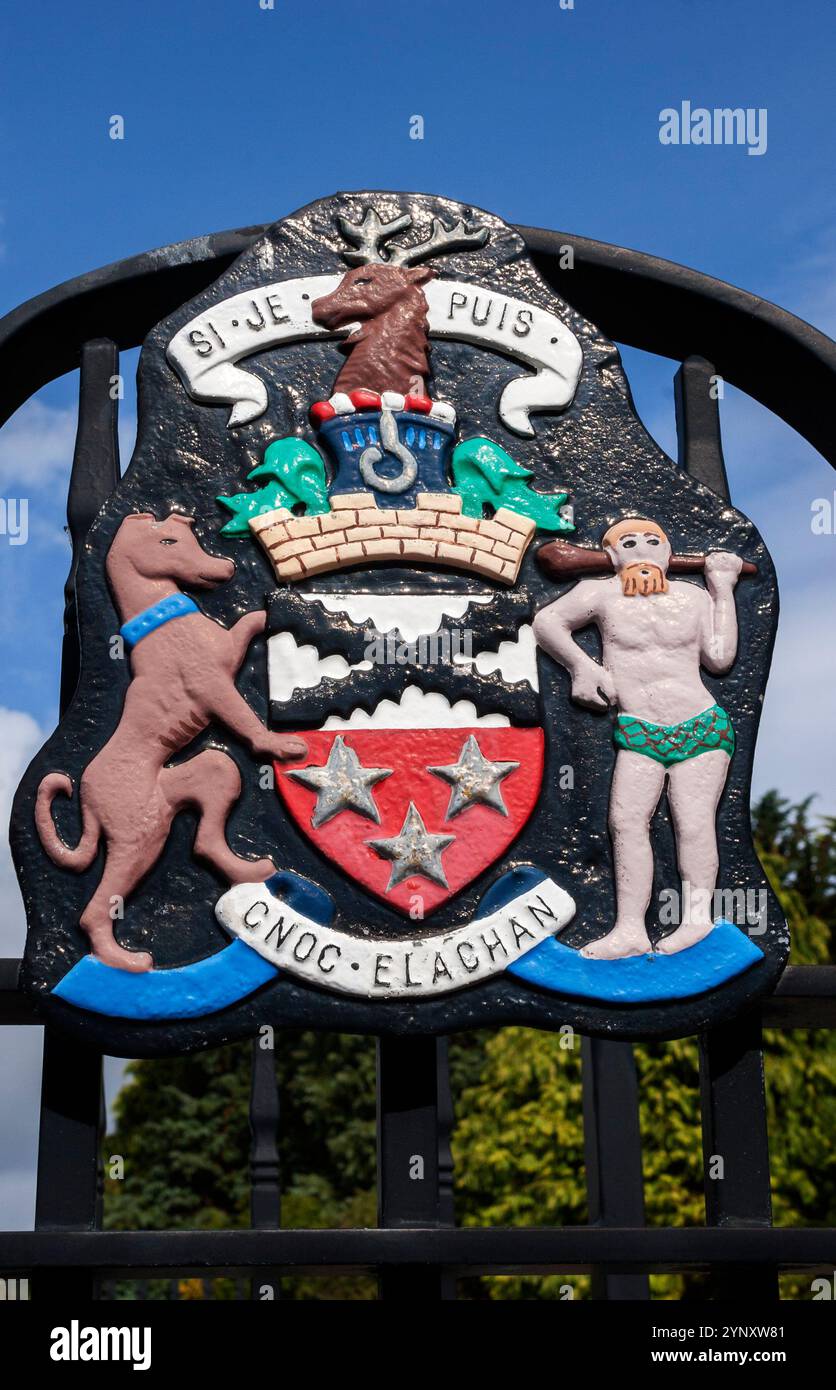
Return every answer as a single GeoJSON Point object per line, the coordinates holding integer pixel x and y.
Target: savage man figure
{"type": "Point", "coordinates": [656, 633]}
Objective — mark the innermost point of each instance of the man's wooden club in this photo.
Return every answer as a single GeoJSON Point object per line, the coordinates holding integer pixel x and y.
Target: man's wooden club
{"type": "Point", "coordinates": [562, 560]}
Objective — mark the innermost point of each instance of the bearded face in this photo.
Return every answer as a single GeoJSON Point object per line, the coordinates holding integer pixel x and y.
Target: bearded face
{"type": "Point", "coordinates": [642, 579]}
{"type": "Point", "coordinates": [640, 558]}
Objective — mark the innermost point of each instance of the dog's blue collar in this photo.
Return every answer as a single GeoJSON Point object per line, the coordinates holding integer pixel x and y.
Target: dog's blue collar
{"type": "Point", "coordinates": [174, 606]}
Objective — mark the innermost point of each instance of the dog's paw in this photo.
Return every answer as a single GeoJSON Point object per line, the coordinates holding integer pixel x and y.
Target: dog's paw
{"type": "Point", "coordinates": [285, 746]}
{"type": "Point", "coordinates": [253, 623]}
{"type": "Point", "coordinates": [116, 956]}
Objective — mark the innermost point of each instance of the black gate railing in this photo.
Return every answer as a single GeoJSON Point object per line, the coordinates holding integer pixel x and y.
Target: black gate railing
{"type": "Point", "coordinates": [713, 329]}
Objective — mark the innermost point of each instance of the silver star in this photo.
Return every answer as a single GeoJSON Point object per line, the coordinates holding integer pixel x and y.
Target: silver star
{"type": "Point", "coordinates": [414, 851]}
{"type": "Point", "coordinates": [341, 784]}
{"type": "Point", "coordinates": [473, 778]}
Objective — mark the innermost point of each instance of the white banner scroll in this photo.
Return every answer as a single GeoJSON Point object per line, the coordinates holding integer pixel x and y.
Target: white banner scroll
{"type": "Point", "coordinates": [205, 352]}
{"type": "Point", "coordinates": [388, 969]}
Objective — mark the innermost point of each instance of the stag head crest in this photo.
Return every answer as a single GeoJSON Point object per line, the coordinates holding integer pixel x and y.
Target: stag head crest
{"type": "Point", "coordinates": [369, 239]}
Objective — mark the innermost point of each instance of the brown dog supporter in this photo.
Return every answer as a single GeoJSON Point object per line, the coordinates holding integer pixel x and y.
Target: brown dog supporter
{"type": "Point", "coordinates": [183, 678]}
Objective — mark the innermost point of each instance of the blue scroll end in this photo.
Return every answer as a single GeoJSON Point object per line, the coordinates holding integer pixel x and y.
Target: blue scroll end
{"type": "Point", "coordinates": [190, 991]}
{"type": "Point", "coordinates": [184, 991]}
{"type": "Point", "coordinates": [508, 887]}
{"type": "Point", "coordinates": [302, 895]}
{"type": "Point", "coordinates": [653, 978]}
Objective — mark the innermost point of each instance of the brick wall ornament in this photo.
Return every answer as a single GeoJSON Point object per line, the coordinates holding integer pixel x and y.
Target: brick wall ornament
{"type": "Point", "coordinates": [352, 784]}
{"type": "Point", "coordinates": [358, 531]}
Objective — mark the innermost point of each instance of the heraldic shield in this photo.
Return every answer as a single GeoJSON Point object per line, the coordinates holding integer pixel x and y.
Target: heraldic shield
{"type": "Point", "coordinates": [419, 688]}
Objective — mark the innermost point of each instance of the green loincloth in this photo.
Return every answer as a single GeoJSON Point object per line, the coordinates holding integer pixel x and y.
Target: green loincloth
{"type": "Point", "coordinates": [674, 743]}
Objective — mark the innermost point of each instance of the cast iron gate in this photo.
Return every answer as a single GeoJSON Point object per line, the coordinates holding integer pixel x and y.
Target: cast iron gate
{"type": "Point", "coordinates": [712, 329]}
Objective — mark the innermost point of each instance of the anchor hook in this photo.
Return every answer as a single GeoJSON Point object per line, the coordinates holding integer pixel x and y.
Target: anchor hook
{"type": "Point", "coordinates": [391, 445]}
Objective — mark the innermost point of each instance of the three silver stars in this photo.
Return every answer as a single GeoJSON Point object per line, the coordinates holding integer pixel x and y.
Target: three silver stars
{"type": "Point", "coordinates": [414, 851]}
{"type": "Point", "coordinates": [341, 784]}
{"type": "Point", "coordinates": [474, 779]}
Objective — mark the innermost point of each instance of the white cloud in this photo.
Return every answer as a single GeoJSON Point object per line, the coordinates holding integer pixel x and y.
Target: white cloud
{"type": "Point", "coordinates": [36, 446]}
{"type": "Point", "coordinates": [37, 443]}
{"type": "Point", "coordinates": [796, 752]}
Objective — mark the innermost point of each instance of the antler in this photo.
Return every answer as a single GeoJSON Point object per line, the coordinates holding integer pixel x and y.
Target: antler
{"type": "Point", "coordinates": [441, 240]}
{"type": "Point", "coordinates": [369, 235]}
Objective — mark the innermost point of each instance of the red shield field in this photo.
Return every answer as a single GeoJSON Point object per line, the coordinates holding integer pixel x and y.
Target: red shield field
{"type": "Point", "coordinates": [413, 814]}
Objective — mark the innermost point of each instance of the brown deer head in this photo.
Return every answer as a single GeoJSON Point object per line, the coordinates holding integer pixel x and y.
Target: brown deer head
{"type": "Point", "coordinates": [390, 349]}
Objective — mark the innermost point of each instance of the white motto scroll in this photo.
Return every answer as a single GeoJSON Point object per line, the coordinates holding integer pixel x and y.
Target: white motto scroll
{"type": "Point", "coordinates": [390, 968]}
{"type": "Point", "coordinates": [205, 352]}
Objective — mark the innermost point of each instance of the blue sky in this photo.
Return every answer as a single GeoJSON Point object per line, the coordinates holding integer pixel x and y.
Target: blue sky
{"type": "Point", "coordinates": [236, 114]}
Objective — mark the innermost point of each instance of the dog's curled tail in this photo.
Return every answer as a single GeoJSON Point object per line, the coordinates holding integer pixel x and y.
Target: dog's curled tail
{"type": "Point", "coordinates": [82, 856]}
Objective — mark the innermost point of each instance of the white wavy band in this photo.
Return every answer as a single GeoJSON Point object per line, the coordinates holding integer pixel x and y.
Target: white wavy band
{"type": "Point", "coordinates": [204, 352]}
{"type": "Point", "coordinates": [392, 968]}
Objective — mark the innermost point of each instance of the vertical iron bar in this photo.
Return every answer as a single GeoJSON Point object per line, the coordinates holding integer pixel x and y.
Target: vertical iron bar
{"type": "Point", "coordinates": [68, 1184]}
{"type": "Point", "coordinates": [736, 1147]}
{"type": "Point", "coordinates": [446, 1120]}
{"type": "Point", "coordinates": [68, 1156]}
{"type": "Point", "coordinates": [696, 388]}
{"type": "Point", "coordinates": [613, 1153]}
{"type": "Point", "coordinates": [95, 473]}
{"type": "Point", "coordinates": [446, 1209]}
{"type": "Point", "coordinates": [732, 1088]}
{"type": "Point", "coordinates": [100, 1179]}
{"type": "Point", "coordinates": [407, 1154]}
{"type": "Point", "coordinates": [265, 1174]}
{"type": "Point", "coordinates": [100, 1160]}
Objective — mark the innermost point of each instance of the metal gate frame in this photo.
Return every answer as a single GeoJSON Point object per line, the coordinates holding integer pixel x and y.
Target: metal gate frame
{"type": "Point", "coordinates": [713, 329]}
